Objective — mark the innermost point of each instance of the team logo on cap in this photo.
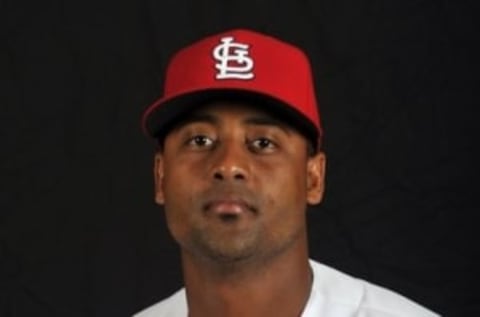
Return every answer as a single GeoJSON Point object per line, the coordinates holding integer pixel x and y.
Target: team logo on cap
{"type": "Point", "coordinates": [232, 59]}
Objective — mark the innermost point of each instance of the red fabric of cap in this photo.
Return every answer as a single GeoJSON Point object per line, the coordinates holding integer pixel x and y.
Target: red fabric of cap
{"type": "Point", "coordinates": [238, 62]}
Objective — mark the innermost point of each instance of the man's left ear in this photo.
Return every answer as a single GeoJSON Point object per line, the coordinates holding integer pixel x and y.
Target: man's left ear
{"type": "Point", "coordinates": [316, 178]}
{"type": "Point", "coordinates": [158, 178]}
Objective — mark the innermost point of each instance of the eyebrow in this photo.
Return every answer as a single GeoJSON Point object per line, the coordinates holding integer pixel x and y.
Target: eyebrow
{"type": "Point", "coordinates": [195, 118]}
{"type": "Point", "coordinates": [266, 120]}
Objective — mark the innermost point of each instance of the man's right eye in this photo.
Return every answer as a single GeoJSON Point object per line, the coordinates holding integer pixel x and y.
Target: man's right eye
{"type": "Point", "coordinates": [200, 141]}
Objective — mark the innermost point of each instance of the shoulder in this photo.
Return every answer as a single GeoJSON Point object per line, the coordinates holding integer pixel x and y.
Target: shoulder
{"type": "Point", "coordinates": [173, 306]}
{"type": "Point", "coordinates": [341, 294]}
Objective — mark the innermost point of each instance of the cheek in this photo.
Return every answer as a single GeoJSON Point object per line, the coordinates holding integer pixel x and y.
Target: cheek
{"type": "Point", "coordinates": [180, 174]}
{"type": "Point", "coordinates": [184, 180]}
{"type": "Point", "coordinates": [285, 189]}
{"type": "Point", "coordinates": [177, 198]}
{"type": "Point", "coordinates": [286, 177]}
{"type": "Point", "coordinates": [285, 209]}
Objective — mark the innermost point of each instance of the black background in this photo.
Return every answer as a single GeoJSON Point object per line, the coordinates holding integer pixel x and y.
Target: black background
{"type": "Point", "coordinates": [80, 234]}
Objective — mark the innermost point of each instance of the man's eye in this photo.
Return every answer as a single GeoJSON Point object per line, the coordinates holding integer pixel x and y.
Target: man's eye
{"type": "Point", "coordinates": [262, 144]}
{"type": "Point", "coordinates": [200, 141]}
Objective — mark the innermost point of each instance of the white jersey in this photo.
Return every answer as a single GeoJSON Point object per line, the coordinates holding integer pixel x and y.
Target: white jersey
{"type": "Point", "coordinates": [333, 294]}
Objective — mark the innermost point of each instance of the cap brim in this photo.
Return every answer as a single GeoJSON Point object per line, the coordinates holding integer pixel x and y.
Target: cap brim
{"type": "Point", "coordinates": [161, 116]}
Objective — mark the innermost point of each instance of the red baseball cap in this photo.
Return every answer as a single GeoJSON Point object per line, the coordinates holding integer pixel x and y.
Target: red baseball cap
{"type": "Point", "coordinates": [238, 65]}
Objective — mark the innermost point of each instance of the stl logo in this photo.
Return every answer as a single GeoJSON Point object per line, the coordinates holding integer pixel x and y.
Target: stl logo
{"type": "Point", "coordinates": [232, 60]}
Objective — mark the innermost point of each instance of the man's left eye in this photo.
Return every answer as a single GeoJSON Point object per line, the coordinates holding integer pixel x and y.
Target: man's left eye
{"type": "Point", "coordinates": [262, 144]}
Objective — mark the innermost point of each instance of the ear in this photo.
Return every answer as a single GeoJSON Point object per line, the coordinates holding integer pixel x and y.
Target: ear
{"type": "Point", "coordinates": [316, 178]}
{"type": "Point", "coordinates": [158, 173]}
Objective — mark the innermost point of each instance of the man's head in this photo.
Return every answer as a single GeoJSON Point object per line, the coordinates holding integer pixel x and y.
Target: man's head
{"type": "Point", "coordinates": [239, 160]}
{"type": "Point", "coordinates": [235, 182]}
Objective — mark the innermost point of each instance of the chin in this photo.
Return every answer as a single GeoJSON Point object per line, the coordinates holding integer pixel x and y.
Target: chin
{"type": "Point", "coordinates": [225, 249]}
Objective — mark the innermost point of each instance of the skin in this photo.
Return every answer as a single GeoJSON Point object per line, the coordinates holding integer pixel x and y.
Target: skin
{"type": "Point", "coordinates": [235, 184]}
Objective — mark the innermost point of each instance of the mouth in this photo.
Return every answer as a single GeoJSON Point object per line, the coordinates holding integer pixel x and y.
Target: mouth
{"type": "Point", "coordinates": [228, 208]}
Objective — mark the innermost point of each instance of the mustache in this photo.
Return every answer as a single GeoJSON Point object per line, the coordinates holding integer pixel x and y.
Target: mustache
{"type": "Point", "coordinates": [231, 193]}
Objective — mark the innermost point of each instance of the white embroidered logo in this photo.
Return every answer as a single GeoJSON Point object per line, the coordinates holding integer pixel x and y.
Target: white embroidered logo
{"type": "Point", "coordinates": [232, 60]}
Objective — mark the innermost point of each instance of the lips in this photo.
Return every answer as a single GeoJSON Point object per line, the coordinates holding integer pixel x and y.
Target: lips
{"type": "Point", "coordinates": [232, 207]}
{"type": "Point", "coordinates": [229, 201]}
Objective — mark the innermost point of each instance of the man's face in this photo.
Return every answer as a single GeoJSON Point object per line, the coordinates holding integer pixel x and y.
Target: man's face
{"type": "Point", "coordinates": [235, 183]}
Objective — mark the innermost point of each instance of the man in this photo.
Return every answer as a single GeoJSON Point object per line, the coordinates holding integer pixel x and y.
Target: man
{"type": "Point", "coordinates": [239, 159]}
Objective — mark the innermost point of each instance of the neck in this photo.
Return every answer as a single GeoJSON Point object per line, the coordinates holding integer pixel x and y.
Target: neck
{"type": "Point", "coordinates": [279, 286]}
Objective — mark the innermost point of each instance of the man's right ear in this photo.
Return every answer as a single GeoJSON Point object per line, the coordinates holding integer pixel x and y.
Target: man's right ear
{"type": "Point", "coordinates": [158, 173]}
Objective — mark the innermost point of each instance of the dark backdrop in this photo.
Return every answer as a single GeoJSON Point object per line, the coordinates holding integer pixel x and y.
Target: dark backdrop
{"type": "Point", "coordinates": [79, 232]}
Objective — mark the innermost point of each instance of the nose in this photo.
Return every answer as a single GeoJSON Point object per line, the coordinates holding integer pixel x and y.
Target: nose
{"type": "Point", "coordinates": [230, 163]}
